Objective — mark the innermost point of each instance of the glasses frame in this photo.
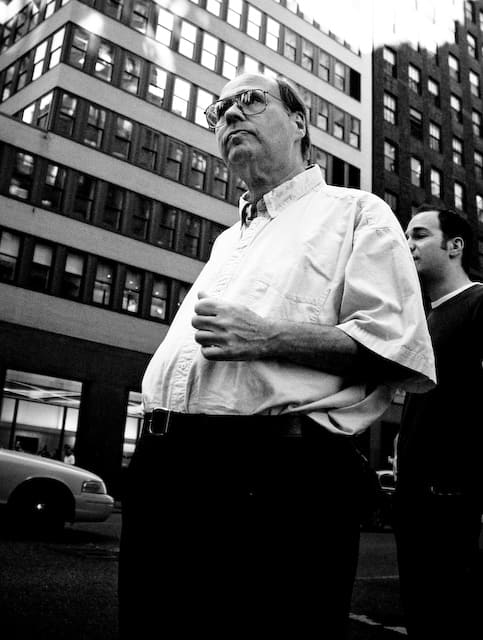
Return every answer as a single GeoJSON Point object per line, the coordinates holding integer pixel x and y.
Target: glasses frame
{"type": "Point", "coordinates": [236, 99]}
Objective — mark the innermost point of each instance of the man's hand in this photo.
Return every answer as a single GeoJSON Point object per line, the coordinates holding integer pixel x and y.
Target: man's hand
{"type": "Point", "coordinates": [229, 331]}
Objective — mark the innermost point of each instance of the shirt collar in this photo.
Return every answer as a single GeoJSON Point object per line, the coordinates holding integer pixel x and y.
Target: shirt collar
{"type": "Point", "coordinates": [448, 296]}
{"type": "Point", "coordinates": [282, 196]}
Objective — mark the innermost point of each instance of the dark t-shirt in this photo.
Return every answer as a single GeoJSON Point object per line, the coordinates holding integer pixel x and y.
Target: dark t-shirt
{"type": "Point", "coordinates": [441, 437]}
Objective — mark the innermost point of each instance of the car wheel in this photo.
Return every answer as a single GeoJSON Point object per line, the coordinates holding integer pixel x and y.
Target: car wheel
{"type": "Point", "coordinates": [41, 509]}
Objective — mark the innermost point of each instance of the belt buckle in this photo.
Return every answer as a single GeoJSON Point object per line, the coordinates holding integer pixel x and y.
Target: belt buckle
{"type": "Point", "coordinates": [164, 431]}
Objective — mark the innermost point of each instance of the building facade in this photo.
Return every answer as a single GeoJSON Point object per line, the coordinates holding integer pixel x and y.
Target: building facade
{"type": "Point", "coordinates": [428, 121]}
{"type": "Point", "coordinates": [112, 191]}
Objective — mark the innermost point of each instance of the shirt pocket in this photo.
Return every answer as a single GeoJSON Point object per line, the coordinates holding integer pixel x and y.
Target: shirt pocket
{"type": "Point", "coordinates": [268, 300]}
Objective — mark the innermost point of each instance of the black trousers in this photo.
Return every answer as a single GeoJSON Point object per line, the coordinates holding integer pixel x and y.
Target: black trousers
{"type": "Point", "coordinates": [439, 567]}
{"type": "Point", "coordinates": [237, 535]}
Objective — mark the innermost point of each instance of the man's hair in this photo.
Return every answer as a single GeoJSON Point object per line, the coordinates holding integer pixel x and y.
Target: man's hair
{"type": "Point", "coordinates": [453, 226]}
{"type": "Point", "coordinates": [293, 102]}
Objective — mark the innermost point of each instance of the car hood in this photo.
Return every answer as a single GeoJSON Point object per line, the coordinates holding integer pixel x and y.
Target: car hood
{"type": "Point", "coordinates": [45, 464]}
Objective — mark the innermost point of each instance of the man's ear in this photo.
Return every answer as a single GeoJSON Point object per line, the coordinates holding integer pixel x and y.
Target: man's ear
{"type": "Point", "coordinates": [300, 122]}
{"type": "Point", "coordinates": [456, 246]}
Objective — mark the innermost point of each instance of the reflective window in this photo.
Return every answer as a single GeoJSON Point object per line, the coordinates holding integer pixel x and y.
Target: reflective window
{"type": "Point", "coordinates": [22, 176]}
{"type": "Point", "coordinates": [41, 267]}
{"type": "Point", "coordinates": [103, 283]}
{"type": "Point", "coordinates": [9, 253]}
{"type": "Point", "coordinates": [159, 299]}
{"type": "Point", "coordinates": [72, 276]}
{"type": "Point", "coordinates": [157, 85]}
{"type": "Point", "coordinates": [181, 96]}
{"type": "Point", "coordinates": [131, 296]}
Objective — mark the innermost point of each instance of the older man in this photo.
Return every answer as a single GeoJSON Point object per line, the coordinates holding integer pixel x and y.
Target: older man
{"type": "Point", "coordinates": [244, 503]}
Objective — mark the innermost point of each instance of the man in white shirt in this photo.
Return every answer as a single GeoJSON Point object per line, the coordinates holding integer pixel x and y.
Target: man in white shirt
{"type": "Point", "coordinates": [292, 340]}
{"type": "Point", "coordinates": [439, 489]}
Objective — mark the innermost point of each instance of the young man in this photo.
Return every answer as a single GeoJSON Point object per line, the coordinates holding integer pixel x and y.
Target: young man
{"type": "Point", "coordinates": [439, 496]}
{"type": "Point", "coordinates": [243, 507]}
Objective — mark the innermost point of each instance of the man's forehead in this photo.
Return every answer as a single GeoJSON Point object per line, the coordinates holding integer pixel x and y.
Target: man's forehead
{"type": "Point", "coordinates": [247, 81]}
{"type": "Point", "coordinates": [424, 220]}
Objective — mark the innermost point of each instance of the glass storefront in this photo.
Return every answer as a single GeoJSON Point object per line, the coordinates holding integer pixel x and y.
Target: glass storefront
{"type": "Point", "coordinates": [39, 414]}
{"type": "Point", "coordinates": [132, 431]}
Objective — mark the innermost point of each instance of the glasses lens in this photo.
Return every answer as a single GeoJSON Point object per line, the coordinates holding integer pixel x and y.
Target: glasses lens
{"type": "Point", "coordinates": [251, 102]}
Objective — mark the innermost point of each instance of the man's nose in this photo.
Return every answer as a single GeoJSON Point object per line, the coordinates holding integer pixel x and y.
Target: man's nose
{"type": "Point", "coordinates": [234, 112]}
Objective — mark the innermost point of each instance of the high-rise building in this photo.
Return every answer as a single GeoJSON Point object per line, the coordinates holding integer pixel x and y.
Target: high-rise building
{"type": "Point", "coordinates": [112, 190]}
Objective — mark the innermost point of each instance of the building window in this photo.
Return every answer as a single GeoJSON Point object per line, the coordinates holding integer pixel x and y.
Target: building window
{"type": "Point", "coordinates": [457, 146]}
{"type": "Point", "coordinates": [181, 97]}
{"type": "Point", "coordinates": [131, 295]}
{"type": "Point", "coordinates": [38, 113]}
{"type": "Point", "coordinates": [390, 156]}
{"type": "Point", "coordinates": [41, 267]}
{"type": "Point", "coordinates": [131, 74]}
{"type": "Point", "coordinates": [191, 236]}
{"type": "Point", "coordinates": [78, 48]}
{"type": "Point", "coordinates": [140, 213]}
{"type": "Point", "coordinates": [307, 56]}
{"type": "Point", "coordinates": [21, 179]}
{"type": "Point", "coordinates": [355, 132]}
{"type": "Point", "coordinates": [72, 276]}
{"type": "Point", "coordinates": [187, 40]}
{"type": "Point", "coordinates": [94, 129]}
{"type": "Point", "coordinates": [104, 62]}
{"type": "Point", "coordinates": [319, 157]}
{"type": "Point", "coordinates": [230, 62]}
{"type": "Point", "coordinates": [113, 207]}
{"type": "Point", "coordinates": [390, 108]}
{"type": "Point", "coordinates": [197, 173]}
{"type": "Point", "coordinates": [9, 253]}
{"type": "Point", "coordinates": [214, 6]}
{"type": "Point", "coordinates": [416, 172]}
{"type": "Point", "coordinates": [479, 207]}
{"type": "Point", "coordinates": [159, 299]}
{"type": "Point", "coordinates": [234, 13]}
{"type": "Point", "coordinates": [165, 231]}
{"type": "Point", "coordinates": [272, 39]}
{"type": "Point", "coordinates": [65, 121]}
{"type": "Point", "coordinates": [174, 160]}
{"type": "Point", "coordinates": [254, 22]}
{"type": "Point", "coordinates": [149, 147]}
{"type": "Point", "coordinates": [459, 195]}
{"type": "Point", "coordinates": [121, 144]}
{"type": "Point", "coordinates": [103, 281]}
{"type": "Point", "coordinates": [156, 85]}
{"type": "Point", "coordinates": [389, 57]}
{"type": "Point", "coordinates": [140, 16]}
{"type": "Point", "coordinates": [434, 136]}
{"type": "Point", "coordinates": [470, 14]}
{"type": "Point", "coordinates": [324, 65]}
{"type": "Point", "coordinates": [290, 45]}
{"type": "Point", "coordinates": [38, 68]}
{"type": "Point", "coordinates": [339, 128]}
{"type": "Point", "coordinates": [436, 178]}
{"type": "Point", "coordinates": [53, 187]}
{"type": "Point", "coordinates": [478, 157]}
{"type": "Point", "coordinates": [456, 110]}
{"type": "Point", "coordinates": [209, 52]}
{"type": "Point", "coordinates": [220, 179]}
{"type": "Point", "coordinates": [476, 123]}
{"type": "Point", "coordinates": [433, 89]}
{"type": "Point", "coordinates": [323, 114]}
{"type": "Point", "coordinates": [203, 99]}
{"type": "Point", "coordinates": [113, 8]}
{"type": "Point", "coordinates": [391, 199]}
{"type": "Point", "coordinates": [164, 28]}
{"type": "Point", "coordinates": [416, 123]}
{"type": "Point", "coordinates": [84, 194]}
{"type": "Point", "coordinates": [474, 84]}
{"type": "Point", "coordinates": [414, 78]}
{"type": "Point", "coordinates": [339, 75]}
{"type": "Point", "coordinates": [56, 48]}
{"type": "Point", "coordinates": [454, 67]}
{"type": "Point", "coordinates": [472, 45]}
{"type": "Point", "coordinates": [250, 65]}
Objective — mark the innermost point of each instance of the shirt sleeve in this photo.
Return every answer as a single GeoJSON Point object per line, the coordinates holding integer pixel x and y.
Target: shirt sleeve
{"type": "Point", "coordinates": [382, 305]}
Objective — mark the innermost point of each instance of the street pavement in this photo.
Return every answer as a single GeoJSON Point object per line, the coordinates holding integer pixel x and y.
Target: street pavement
{"type": "Point", "coordinates": [65, 587]}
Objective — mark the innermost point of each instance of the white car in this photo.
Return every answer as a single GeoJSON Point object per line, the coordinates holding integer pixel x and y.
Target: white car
{"type": "Point", "coordinates": [39, 491]}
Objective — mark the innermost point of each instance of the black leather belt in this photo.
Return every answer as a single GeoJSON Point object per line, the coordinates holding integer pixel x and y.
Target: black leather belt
{"type": "Point", "coordinates": [161, 422]}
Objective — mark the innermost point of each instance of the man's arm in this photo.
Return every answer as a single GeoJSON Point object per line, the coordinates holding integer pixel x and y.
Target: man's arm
{"type": "Point", "coordinates": [229, 331]}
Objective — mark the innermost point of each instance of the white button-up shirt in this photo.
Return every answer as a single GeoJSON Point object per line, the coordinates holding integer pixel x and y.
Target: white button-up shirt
{"type": "Point", "coordinates": [319, 254]}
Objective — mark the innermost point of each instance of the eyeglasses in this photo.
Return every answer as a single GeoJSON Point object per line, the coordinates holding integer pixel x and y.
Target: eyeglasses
{"type": "Point", "coordinates": [250, 102]}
